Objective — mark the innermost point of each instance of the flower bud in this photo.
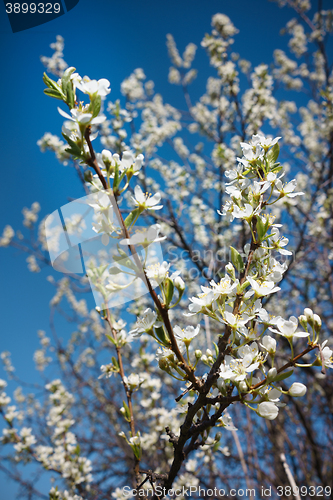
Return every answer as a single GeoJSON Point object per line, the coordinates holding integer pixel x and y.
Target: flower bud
{"type": "Point", "coordinates": [106, 157]}
{"type": "Point", "coordinates": [242, 386]}
{"type": "Point", "coordinates": [271, 374]}
{"type": "Point", "coordinates": [218, 436]}
{"type": "Point", "coordinates": [135, 440]}
{"type": "Point", "coordinates": [308, 313]}
{"type": "Point", "coordinates": [269, 344]}
{"type": "Point", "coordinates": [297, 389]}
{"type": "Point", "coordinates": [231, 271]}
{"type": "Point", "coordinates": [198, 354]}
{"type": "Point", "coordinates": [268, 410]}
{"type": "Point", "coordinates": [317, 322]}
{"type": "Point", "coordinates": [220, 385]}
{"type": "Point", "coordinates": [303, 321]}
{"type": "Point", "coordinates": [179, 283]}
{"type": "Point", "coordinates": [209, 352]}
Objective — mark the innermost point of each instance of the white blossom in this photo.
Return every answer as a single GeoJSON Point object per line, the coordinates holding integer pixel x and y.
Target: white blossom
{"type": "Point", "coordinates": [287, 328]}
{"type": "Point", "coordinates": [268, 410]}
{"type": "Point", "coordinates": [145, 323]}
{"type": "Point", "coordinates": [146, 201]}
{"type": "Point", "coordinates": [297, 389]}
{"type": "Point", "coordinates": [94, 87]}
{"type": "Point", "coordinates": [187, 334]}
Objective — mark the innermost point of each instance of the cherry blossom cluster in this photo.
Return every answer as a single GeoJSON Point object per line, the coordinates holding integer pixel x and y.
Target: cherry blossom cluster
{"type": "Point", "coordinates": [62, 455]}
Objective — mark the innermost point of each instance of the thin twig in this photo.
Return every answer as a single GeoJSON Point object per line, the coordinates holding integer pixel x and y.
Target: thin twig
{"type": "Point", "coordinates": [290, 476]}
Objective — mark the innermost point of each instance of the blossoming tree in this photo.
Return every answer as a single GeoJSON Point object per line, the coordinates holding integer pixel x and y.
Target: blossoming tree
{"type": "Point", "coordinates": [230, 319]}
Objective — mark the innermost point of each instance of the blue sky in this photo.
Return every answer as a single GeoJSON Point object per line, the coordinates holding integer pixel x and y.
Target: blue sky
{"type": "Point", "coordinates": [103, 39]}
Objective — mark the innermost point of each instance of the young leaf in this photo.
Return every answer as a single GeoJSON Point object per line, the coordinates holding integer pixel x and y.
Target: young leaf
{"type": "Point", "coordinates": [115, 363]}
{"type": "Point", "coordinates": [282, 376]}
{"type": "Point", "coordinates": [131, 217]}
{"type": "Point", "coordinates": [126, 262]}
{"type": "Point", "coordinates": [169, 288]}
{"type": "Point", "coordinates": [116, 178]}
{"type": "Point", "coordinates": [53, 93]}
{"type": "Point", "coordinates": [160, 333]}
{"type": "Point", "coordinates": [277, 169]}
{"type": "Point", "coordinates": [111, 339]}
{"type": "Point", "coordinates": [70, 95]}
{"type": "Point", "coordinates": [122, 253]}
{"type": "Point", "coordinates": [73, 153]}
{"type": "Point", "coordinates": [273, 154]}
{"type": "Point", "coordinates": [73, 145]}
{"type": "Point", "coordinates": [95, 105]}
{"type": "Point", "coordinates": [236, 259]}
{"type": "Point", "coordinates": [66, 78]}
{"type": "Point", "coordinates": [115, 270]}
{"type": "Point", "coordinates": [127, 414]}
{"type": "Point", "coordinates": [51, 84]}
{"type": "Point", "coordinates": [260, 226]}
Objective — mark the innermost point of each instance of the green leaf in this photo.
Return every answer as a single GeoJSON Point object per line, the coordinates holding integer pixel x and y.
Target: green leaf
{"type": "Point", "coordinates": [115, 363]}
{"type": "Point", "coordinates": [277, 169]}
{"type": "Point", "coordinates": [66, 78]}
{"type": "Point", "coordinates": [136, 450]}
{"type": "Point", "coordinates": [131, 217]}
{"type": "Point", "coordinates": [126, 262]}
{"type": "Point", "coordinates": [51, 84]}
{"type": "Point", "coordinates": [122, 252]}
{"type": "Point", "coordinates": [95, 105]}
{"type": "Point", "coordinates": [119, 258]}
{"type": "Point", "coordinates": [241, 288]}
{"type": "Point", "coordinates": [122, 176]}
{"type": "Point", "coordinates": [127, 412]}
{"type": "Point", "coordinates": [169, 288]}
{"type": "Point", "coordinates": [162, 336]}
{"type": "Point", "coordinates": [115, 270]}
{"type": "Point", "coordinates": [116, 178]}
{"type": "Point", "coordinates": [70, 95]}
{"type": "Point", "coordinates": [53, 93]}
{"type": "Point", "coordinates": [260, 226]}
{"type": "Point", "coordinates": [73, 153]}
{"type": "Point", "coordinates": [111, 339]}
{"type": "Point", "coordinates": [282, 376]}
{"type": "Point", "coordinates": [236, 259]}
{"type": "Point", "coordinates": [88, 177]}
{"type": "Point", "coordinates": [100, 270]}
{"type": "Point", "coordinates": [75, 147]}
{"type": "Point", "coordinates": [216, 349]}
{"type": "Point", "coordinates": [273, 153]}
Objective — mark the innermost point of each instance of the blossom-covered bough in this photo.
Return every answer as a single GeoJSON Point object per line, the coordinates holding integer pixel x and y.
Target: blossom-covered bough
{"type": "Point", "coordinates": [205, 355]}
